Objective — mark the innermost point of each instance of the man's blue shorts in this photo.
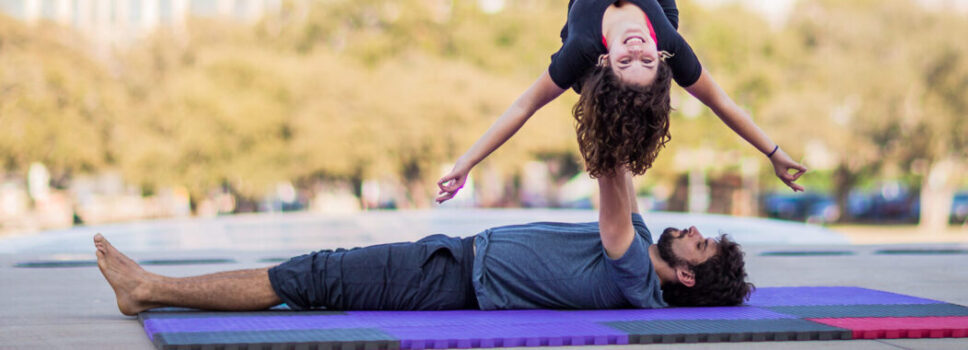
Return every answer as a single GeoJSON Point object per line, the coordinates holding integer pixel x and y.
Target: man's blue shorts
{"type": "Point", "coordinates": [433, 273]}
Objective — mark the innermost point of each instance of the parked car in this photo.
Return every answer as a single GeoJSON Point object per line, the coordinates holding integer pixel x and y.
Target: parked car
{"type": "Point", "coordinates": [810, 207]}
{"type": "Point", "coordinates": [959, 208]}
{"type": "Point", "coordinates": [888, 202]}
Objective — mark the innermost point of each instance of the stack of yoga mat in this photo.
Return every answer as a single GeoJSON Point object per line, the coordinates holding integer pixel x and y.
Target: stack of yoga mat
{"type": "Point", "coordinates": [772, 314]}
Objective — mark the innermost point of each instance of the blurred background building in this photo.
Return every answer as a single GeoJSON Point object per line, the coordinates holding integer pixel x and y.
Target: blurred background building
{"type": "Point", "coordinates": [123, 21]}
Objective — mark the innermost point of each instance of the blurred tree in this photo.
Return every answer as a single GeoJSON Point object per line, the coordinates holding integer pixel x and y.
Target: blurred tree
{"type": "Point", "coordinates": [345, 89]}
{"type": "Point", "coordinates": [57, 105]}
{"type": "Point", "coordinates": [886, 84]}
{"type": "Point", "coordinates": [833, 92]}
{"type": "Point", "coordinates": [936, 130]}
{"type": "Point", "coordinates": [396, 90]}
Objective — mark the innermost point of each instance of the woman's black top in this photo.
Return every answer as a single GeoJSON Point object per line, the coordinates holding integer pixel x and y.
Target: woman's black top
{"type": "Point", "coordinates": [581, 41]}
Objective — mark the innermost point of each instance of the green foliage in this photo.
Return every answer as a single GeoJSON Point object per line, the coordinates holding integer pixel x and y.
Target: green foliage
{"type": "Point", "coordinates": [343, 89]}
{"type": "Point", "coordinates": [56, 104]}
{"type": "Point", "coordinates": [363, 89]}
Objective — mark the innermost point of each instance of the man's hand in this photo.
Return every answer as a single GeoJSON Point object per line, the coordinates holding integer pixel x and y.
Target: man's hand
{"type": "Point", "coordinates": [782, 163]}
{"type": "Point", "coordinates": [452, 182]}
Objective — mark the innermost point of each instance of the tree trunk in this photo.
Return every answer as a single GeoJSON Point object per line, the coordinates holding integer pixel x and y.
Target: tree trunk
{"type": "Point", "coordinates": [698, 191]}
{"type": "Point", "coordinates": [843, 182]}
{"type": "Point", "coordinates": [937, 193]}
{"type": "Point", "coordinates": [419, 197]}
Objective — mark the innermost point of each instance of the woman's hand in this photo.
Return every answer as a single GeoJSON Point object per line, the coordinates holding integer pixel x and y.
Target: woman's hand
{"type": "Point", "coordinates": [782, 163]}
{"type": "Point", "coordinates": [452, 182]}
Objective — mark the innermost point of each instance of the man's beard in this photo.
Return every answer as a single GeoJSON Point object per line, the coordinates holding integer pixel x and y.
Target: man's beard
{"type": "Point", "coordinates": [665, 247]}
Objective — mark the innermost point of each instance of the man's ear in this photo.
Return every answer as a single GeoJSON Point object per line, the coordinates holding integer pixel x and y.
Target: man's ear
{"type": "Point", "coordinates": [685, 276]}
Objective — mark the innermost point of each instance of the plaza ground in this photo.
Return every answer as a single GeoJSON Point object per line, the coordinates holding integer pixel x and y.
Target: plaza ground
{"type": "Point", "coordinates": [73, 307]}
{"type": "Point", "coordinates": [901, 234]}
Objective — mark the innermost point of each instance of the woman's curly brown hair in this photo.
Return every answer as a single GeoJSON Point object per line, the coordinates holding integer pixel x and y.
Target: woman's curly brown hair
{"type": "Point", "coordinates": [622, 124]}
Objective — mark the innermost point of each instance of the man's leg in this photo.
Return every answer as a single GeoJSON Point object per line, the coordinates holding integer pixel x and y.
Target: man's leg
{"type": "Point", "coordinates": [139, 290]}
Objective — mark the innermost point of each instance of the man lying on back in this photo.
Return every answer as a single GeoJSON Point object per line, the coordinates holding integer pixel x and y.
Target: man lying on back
{"type": "Point", "coordinates": [611, 263]}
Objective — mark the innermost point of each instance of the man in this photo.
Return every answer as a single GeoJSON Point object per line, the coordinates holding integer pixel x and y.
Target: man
{"type": "Point", "coordinates": [609, 264]}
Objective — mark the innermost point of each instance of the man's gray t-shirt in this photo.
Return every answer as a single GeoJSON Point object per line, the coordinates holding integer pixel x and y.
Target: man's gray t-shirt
{"type": "Point", "coordinates": [562, 266]}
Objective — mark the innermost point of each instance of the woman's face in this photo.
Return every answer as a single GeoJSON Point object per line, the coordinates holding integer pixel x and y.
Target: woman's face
{"type": "Point", "coordinates": [633, 55]}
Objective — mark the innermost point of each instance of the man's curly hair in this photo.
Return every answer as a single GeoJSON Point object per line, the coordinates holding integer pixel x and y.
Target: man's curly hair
{"type": "Point", "coordinates": [620, 123]}
{"type": "Point", "coordinates": [720, 281]}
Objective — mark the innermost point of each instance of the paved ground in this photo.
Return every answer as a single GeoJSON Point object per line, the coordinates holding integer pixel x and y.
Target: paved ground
{"type": "Point", "coordinates": [72, 307]}
{"type": "Point", "coordinates": [901, 234]}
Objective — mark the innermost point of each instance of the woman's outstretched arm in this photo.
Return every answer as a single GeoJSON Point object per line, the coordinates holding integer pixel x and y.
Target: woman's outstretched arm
{"type": "Point", "coordinates": [706, 90]}
{"type": "Point", "coordinates": [541, 92]}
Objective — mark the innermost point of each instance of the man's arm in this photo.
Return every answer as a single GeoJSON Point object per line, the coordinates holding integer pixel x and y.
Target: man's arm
{"type": "Point", "coordinates": [615, 214]}
{"type": "Point", "coordinates": [633, 200]}
{"type": "Point", "coordinates": [706, 90]}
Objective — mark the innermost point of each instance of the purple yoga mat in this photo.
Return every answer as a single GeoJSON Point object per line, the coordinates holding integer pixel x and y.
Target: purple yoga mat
{"type": "Point", "coordinates": [784, 296]}
{"type": "Point", "coordinates": [436, 319]}
{"type": "Point", "coordinates": [248, 323]}
{"type": "Point", "coordinates": [513, 328]}
{"type": "Point", "coordinates": [676, 313]}
{"type": "Point", "coordinates": [505, 335]}
{"type": "Point", "coordinates": [803, 296]}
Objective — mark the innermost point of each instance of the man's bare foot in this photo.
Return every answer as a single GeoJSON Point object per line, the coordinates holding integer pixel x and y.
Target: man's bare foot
{"type": "Point", "coordinates": [125, 276]}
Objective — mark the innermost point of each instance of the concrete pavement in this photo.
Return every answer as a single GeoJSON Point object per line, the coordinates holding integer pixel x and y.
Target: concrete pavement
{"type": "Point", "coordinates": [73, 307]}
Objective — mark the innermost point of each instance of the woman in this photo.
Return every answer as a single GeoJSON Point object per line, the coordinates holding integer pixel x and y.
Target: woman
{"type": "Point", "coordinates": [621, 57]}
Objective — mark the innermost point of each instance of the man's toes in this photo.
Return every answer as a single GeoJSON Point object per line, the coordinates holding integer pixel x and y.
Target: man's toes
{"type": "Point", "coordinates": [108, 247]}
{"type": "Point", "coordinates": [99, 239]}
{"type": "Point", "coordinates": [101, 261]}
